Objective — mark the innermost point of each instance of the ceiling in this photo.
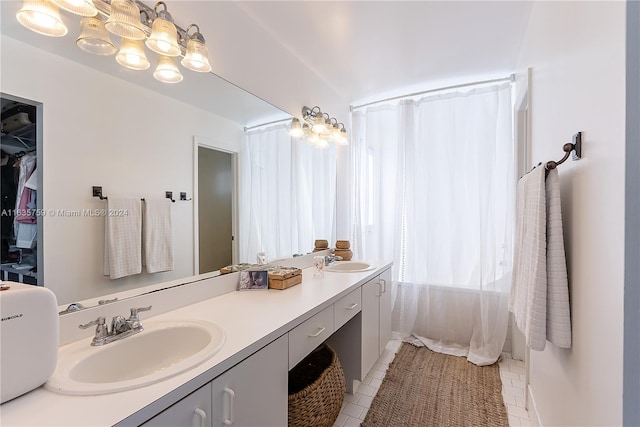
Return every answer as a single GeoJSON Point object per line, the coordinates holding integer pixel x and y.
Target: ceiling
{"type": "Point", "coordinates": [364, 48]}
{"type": "Point", "coordinates": [337, 53]}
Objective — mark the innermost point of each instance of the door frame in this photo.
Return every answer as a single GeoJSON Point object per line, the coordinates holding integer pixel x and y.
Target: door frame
{"type": "Point", "coordinates": [198, 142]}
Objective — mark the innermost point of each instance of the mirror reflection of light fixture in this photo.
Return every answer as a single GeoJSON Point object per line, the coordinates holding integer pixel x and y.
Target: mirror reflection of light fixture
{"type": "Point", "coordinates": [314, 138]}
{"type": "Point", "coordinates": [94, 38]}
{"type": "Point", "coordinates": [318, 128]}
{"type": "Point", "coordinates": [132, 55]}
{"type": "Point", "coordinates": [42, 17]}
{"type": "Point", "coordinates": [319, 124]}
{"type": "Point", "coordinates": [167, 70]}
{"type": "Point", "coordinates": [322, 142]}
{"type": "Point", "coordinates": [78, 7]}
{"type": "Point", "coordinates": [164, 35]}
{"type": "Point", "coordinates": [296, 129]}
{"type": "Point", "coordinates": [125, 20]}
{"type": "Point", "coordinates": [197, 56]}
{"type": "Point", "coordinates": [343, 137]}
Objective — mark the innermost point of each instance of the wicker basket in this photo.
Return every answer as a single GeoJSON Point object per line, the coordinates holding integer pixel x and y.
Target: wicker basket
{"type": "Point", "coordinates": [319, 403]}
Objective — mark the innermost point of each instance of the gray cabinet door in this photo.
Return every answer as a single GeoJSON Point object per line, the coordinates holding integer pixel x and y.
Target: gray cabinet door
{"type": "Point", "coordinates": [254, 392]}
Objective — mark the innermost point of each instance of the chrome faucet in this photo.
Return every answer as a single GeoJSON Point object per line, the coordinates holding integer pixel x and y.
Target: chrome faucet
{"type": "Point", "coordinates": [120, 327]}
{"type": "Point", "coordinates": [330, 259]}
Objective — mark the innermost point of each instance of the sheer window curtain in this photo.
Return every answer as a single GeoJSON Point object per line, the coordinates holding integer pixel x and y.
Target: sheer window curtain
{"type": "Point", "coordinates": [287, 193]}
{"type": "Point", "coordinates": [434, 191]}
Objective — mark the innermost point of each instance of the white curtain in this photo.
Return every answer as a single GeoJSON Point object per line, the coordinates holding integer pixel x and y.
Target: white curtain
{"type": "Point", "coordinates": [287, 192]}
{"type": "Point", "coordinates": [434, 191]}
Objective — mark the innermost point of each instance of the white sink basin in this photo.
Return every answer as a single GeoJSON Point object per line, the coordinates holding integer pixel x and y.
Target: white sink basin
{"type": "Point", "coordinates": [349, 266]}
{"type": "Point", "coordinates": [163, 349]}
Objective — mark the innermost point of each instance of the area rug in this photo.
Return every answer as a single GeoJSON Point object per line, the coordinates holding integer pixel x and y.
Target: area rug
{"type": "Point", "coordinates": [423, 388]}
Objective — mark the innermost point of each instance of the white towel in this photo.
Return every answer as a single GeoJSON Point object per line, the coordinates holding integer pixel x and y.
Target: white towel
{"type": "Point", "coordinates": [540, 289]}
{"type": "Point", "coordinates": [528, 299]}
{"type": "Point", "coordinates": [558, 313]}
{"type": "Point", "coordinates": [157, 235]}
{"type": "Point", "coordinates": [122, 238]}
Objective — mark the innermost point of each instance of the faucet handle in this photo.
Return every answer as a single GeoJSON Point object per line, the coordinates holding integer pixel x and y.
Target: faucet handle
{"type": "Point", "coordinates": [100, 321]}
{"type": "Point", "coordinates": [136, 310]}
{"type": "Point", "coordinates": [134, 320]}
{"type": "Point", "coordinates": [102, 330]}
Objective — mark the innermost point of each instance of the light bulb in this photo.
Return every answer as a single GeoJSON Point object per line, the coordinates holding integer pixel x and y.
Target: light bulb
{"type": "Point", "coordinates": [167, 70]}
{"type": "Point", "coordinates": [42, 17]}
{"type": "Point", "coordinates": [197, 56]}
{"type": "Point", "coordinates": [78, 7]}
{"type": "Point", "coordinates": [164, 36]}
{"type": "Point", "coordinates": [319, 124]}
{"type": "Point", "coordinates": [125, 20]}
{"type": "Point", "coordinates": [94, 38]}
{"type": "Point", "coordinates": [296, 129]}
{"type": "Point", "coordinates": [132, 55]}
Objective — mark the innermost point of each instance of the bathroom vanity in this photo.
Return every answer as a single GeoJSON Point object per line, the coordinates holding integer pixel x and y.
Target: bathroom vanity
{"type": "Point", "coordinates": [266, 333]}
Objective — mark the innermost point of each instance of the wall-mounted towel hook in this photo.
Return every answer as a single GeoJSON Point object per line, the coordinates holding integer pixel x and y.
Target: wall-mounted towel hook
{"type": "Point", "coordinates": [97, 192]}
{"type": "Point", "coordinates": [169, 195]}
{"type": "Point", "coordinates": [183, 196]}
{"type": "Point", "coordinates": [575, 147]}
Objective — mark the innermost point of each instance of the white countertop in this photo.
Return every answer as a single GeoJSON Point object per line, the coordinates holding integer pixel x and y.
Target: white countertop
{"type": "Point", "coordinates": [250, 319]}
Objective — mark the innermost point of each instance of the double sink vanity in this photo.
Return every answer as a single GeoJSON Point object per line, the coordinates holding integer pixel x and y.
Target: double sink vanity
{"type": "Point", "coordinates": [210, 355]}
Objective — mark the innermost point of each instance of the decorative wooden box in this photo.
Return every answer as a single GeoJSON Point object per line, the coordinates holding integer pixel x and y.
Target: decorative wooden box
{"type": "Point", "coordinates": [284, 277]}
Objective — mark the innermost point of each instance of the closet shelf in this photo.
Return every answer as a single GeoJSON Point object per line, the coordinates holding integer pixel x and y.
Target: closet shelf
{"type": "Point", "coordinates": [23, 139]}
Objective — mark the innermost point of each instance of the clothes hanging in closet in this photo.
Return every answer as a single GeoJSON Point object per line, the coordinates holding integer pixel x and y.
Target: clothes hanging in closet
{"type": "Point", "coordinates": [25, 222]}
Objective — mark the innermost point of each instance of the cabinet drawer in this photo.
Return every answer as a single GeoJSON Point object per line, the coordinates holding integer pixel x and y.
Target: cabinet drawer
{"type": "Point", "coordinates": [309, 334]}
{"type": "Point", "coordinates": [347, 307]}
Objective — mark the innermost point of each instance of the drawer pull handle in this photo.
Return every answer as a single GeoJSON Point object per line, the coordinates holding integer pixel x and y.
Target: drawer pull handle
{"type": "Point", "coordinates": [202, 417]}
{"type": "Point", "coordinates": [321, 330]}
{"type": "Point", "coordinates": [228, 418]}
{"type": "Point", "coordinates": [352, 306]}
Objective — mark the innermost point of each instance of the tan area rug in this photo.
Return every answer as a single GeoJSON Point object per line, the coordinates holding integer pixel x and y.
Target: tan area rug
{"type": "Point", "coordinates": [423, 388]}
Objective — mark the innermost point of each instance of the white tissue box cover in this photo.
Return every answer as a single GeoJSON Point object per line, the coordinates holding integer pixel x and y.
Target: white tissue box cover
{"type": "Point", "coordinates": [29, 336]}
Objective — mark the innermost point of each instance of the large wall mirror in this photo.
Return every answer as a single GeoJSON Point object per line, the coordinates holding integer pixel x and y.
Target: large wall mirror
{"type": "Point", "coordinates": [103, 125]}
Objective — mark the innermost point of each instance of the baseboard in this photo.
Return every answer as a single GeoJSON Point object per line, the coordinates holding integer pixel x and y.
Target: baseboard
{"type": "Point", "coordinates": [531, 408]}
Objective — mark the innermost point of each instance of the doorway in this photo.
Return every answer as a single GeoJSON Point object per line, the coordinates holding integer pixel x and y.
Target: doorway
{"type": "Point", "coordinates": [21, 226]}
{"type": "Point", "coordinates": [215, 196]}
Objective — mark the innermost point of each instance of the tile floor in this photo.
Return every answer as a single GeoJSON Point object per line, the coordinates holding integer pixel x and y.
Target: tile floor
{"type": "Point", "coordinates": [512, 373]}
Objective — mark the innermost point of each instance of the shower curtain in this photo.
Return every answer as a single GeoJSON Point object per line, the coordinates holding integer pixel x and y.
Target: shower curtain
{"type": "Point", "coordinates": [433, 183]}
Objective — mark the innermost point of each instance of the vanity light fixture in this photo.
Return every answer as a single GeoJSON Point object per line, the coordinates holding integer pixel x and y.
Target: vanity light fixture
{"type": "Point", "coordinates": [318, 128]}
{"type": "Point", "coordinates": [42, 17]}
{"type": "Point", "coordinates": [132, 55]}
{"type": "Point", "coordinates": [131, 20]}
{"type": "Point", "coordinates": [167, 70]}
{"type": "Point", "coordinates": [164, 35]}
{"type": "Point", "coordinates": [78, 7]}
{"type": "Point", "coordinates": [94, 38]}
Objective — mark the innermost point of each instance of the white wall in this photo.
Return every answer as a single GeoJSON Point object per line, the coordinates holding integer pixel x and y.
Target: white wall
{"type": "Point", "coordinates": [577, 51]}
{"type": "Point", "coordinates": [101, 130]}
